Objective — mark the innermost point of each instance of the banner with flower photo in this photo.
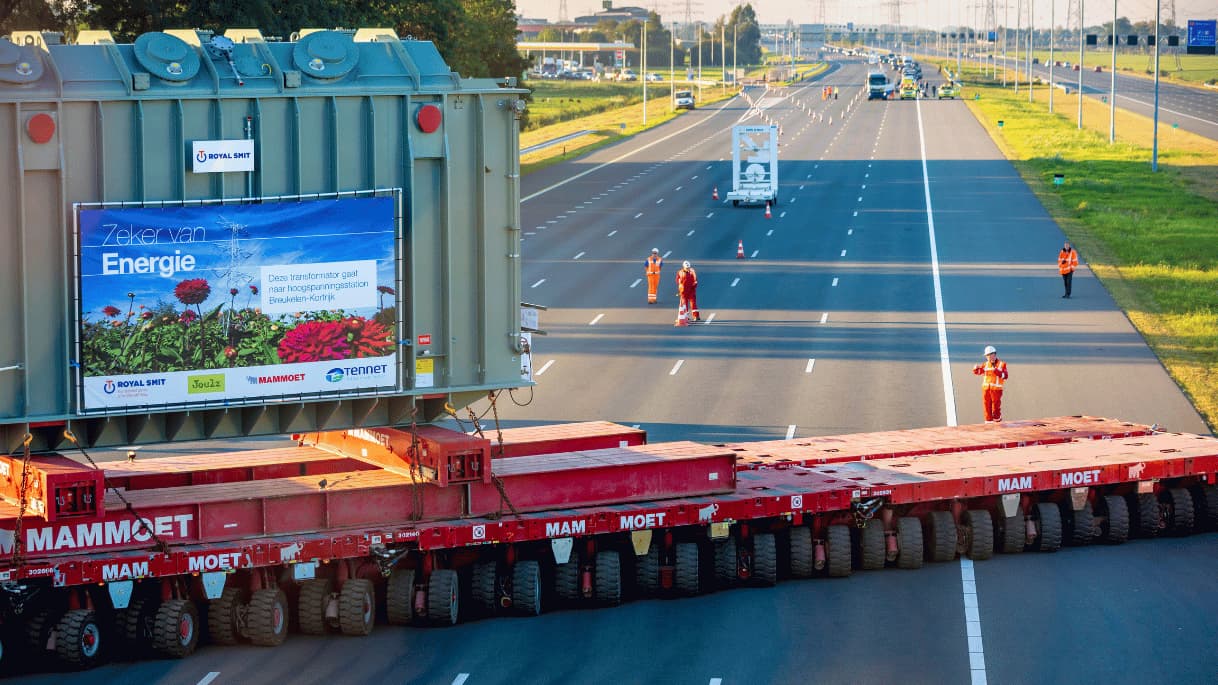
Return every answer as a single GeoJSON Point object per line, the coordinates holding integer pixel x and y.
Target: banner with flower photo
{"type": "Point", "coordinates": [226, 303]}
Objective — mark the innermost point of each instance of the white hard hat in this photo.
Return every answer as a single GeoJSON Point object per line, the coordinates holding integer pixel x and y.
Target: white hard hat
{"type": "Point", "coordinates": [655, 250]}
{"type": "Point", "coordinates": [685, 264]}
{"type": "Point", "coordinates": [989, 349]}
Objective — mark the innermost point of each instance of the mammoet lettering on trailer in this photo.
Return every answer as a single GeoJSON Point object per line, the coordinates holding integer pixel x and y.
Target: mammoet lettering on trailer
{"type": "Point", "coordinates": [98, 534]}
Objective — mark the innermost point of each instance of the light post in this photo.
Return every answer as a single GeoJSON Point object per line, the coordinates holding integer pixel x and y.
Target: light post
{"type": "Point", "coordinates": [1112, 93]}
{"type": "Point", "coordinates": [643, 67]}
{"type": "Point", "coordinates": [1006, 34]}
{"type": "Point", "coordinates": [672, 59]}
{"type": "Point", "coordinates": [1031, 32]}
{"type": "Point", "coordinates": [1052, 7]}
{"type": "Point", "coordinates": [1154, 149]}
{"type": "Point", "coordinates": [735, 29]}
{"type": "Point", "coordinates": [1081, 43]}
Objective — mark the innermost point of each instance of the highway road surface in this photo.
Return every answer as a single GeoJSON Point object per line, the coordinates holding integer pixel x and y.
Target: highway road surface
{"type": "Point", "coordinates": [903, 243]}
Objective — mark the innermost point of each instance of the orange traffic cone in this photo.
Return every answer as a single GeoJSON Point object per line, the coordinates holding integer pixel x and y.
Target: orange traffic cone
{"type": "Point", "coordinates": [682, 316]}
{"type": "Point", "coordinates": [740, 248]}
{"type": "Point", "coordinates": [767, 215]}
{"type": "Point", "coordinates": [715, 193]}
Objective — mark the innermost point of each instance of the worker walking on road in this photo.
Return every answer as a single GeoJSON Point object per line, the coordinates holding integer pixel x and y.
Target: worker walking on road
{"type": "Point", "coordinates": [993, 375]}
{"type": "Point", "coordinates": [654, 263]}
{"type": "Point", "coordinates": [687, 289]}
{"type": "Point", "coordinates": [1067, 262]}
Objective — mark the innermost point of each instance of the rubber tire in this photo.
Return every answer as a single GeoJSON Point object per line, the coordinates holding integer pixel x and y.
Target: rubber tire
{"type": "Point", "coordinates": [647, 572]}
{"type": "Point", "coordinates": [1049, 527]}
{"type": "Point", "coordinates": [482, 592]}
{"type": "Point", "coordinates": [910, 551]}
{"type": "Point", "coordinates": [687, 577]}
{"type": "Point", "coordinates": [871, 546]}
{"type": "Point", "coordinates": [1116, 527]}
{"type": "Point", "coordinates": [443, 597]}
{"type": "Point", "coordinates": [1014, 534]}
{"type": "Point", "coordinates": [1205, 503]}
{"type": "Point", "coordinates": [567, 581]}
{"type": "Point", "coordinates": [1148, 515]}
{"type": "Point", "coordinates": [803, 553]}
{"type": "Point", "coordinates": [1082, 524]}
{"type": "Point", "coordinates": [838, 559]}
{"type": "Point", "coordinates": [941, 533]}
{"type": "Point", "coordinates": [38, 632]}
{"type": "Point", "coordinates": [268, 617]}
{"type": "Point", "coordinates": [176, 633]}
{"type": "Point", "coordinates": [765, 559]}
{"type": "Point", "coordinates": [981, 534]}
{"type": "Point", "coordinates": [224, 616]}
{"type": "Point", "coordinates": [357, 607]}
{"type": "Point", "coordinates": [607, 580]}
{"type": "Point", "coordinates": [136, 621]}
{"type": "Point", "coordinates": [1183, 518]}
{"type": "Point", "coordinates": [526, 588]}
{"type": "Point", "coordinates": [311, 606]}
{"type": "Point", "coordinates": [76, 633]}
{"type": "Point", "coordinates": [399, 597]}
{"type": "Point", "coordinates": [726, 562]}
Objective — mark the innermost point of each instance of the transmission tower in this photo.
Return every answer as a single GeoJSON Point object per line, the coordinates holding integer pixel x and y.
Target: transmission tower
{"type": "Point", "coordinates": [562, 11]}
{"type": "Point", "coordinates": [1171, 9]}
{"type": "Point", "coordinates": [991, 22]}
{"type": "Point", "coordinates": [1073, 20]}
{"type": "Point", "coordinates": [820, 12]}
{"type": "Point", "coordinates": [894, 13]}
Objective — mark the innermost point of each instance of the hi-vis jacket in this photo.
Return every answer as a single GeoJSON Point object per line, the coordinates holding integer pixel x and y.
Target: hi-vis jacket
{"type": "Point", "coordinates": [654, 262]}
{"type": "Point", "coordinates": [994, 373]}
{"type": "Point", "coordinates": [687, 280]}
{"type": "Point", "coordinates": [1067, 261]}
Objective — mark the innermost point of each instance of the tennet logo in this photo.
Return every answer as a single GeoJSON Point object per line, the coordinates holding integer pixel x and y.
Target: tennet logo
{"type": "Point", "coordinates": [337, 374]}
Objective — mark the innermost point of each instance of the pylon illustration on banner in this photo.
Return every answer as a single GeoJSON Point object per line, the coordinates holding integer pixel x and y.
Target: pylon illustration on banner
{"type": "Point", "coordinates": [715, 193]}
{"type": "Point", "coordinates": [682, 316]}
{"type": "Point", "coordinates": [767, 213]}
{"type": "Point", "coordinates": [740, 250]}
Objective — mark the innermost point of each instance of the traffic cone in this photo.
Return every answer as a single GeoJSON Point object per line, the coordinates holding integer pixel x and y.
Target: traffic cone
{"type": "Point", "coordinates": [740, 248]}
{"type": "Point", "coordinates": [715, 193]}
{"type": "Point", "coordinates": [767, 215]}
{"type": "Point", "coordinates": [830, 121]}
{"type": "Point", "coordinates": [682, 316]}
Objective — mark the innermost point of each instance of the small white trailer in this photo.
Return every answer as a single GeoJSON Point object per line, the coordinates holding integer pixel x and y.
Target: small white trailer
{"type": "Point", "coordinates": [754, 165]}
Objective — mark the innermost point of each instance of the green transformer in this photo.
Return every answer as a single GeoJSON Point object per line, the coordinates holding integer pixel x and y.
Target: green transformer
{"type": "Point", "coordinates": [216, 236]}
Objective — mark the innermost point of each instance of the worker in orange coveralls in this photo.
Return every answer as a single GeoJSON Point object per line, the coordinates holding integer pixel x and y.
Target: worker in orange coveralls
{"type": "Point", "coordinates": [1067, 262]}
{"type": "Point", "coordinates": [993, 375]}
{"type": "Point", "coordinates": [687, 288]}
{"type": "Point", "coordinates": [654, 263]}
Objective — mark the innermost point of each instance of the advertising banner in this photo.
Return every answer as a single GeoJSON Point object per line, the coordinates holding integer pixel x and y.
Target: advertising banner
{"type": "Point", "coordinates": [200, 304]}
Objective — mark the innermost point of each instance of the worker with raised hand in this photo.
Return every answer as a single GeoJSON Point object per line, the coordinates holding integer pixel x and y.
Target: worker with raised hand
{"type": "Point", "coordinates": [687, 289]}
{"type": "Point", "coordinates": [654, 263]}
{"type": "Point", "coordinates": [1067, 262]}
{"type": "Point", "coordinates": [993, 375]}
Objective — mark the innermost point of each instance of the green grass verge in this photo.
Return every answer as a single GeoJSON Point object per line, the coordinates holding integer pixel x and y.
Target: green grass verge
{"type": "Point", "coordinates": [1151, 238]}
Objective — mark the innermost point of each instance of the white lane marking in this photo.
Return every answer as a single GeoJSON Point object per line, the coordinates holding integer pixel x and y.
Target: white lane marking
{"type": "Point", "coordinates": [716, 681]}
{"type": "Point", "coordinates": [538, 283]}
{"type": "Point", "coordinates": [860, 198]}
{"type": "Point", "coordinates": [734, 282]}
{"type": "Point", "coordinates": [708, 166]}
{"type": "Point", "coordinates": [676, 367]}
{"type": "Point", "coordinates": [866, 175]}
{"type": "Point", "coordinates": [544, 367]}
{"type": "Point", "coordinates": [834, 283]}
{"type": "Point", "coordinates": [598, 318]}
{"type": "Point", "coordinates": [807, 177]}
{"type": "Point", "coordinates": [770, 232]}
{"type": "Point", "coordinates": [694, 177]}
{"type": "Point", "coordinates": [843, 253]}
{"type": "Point", "coordinates": [636, 282]}
{"type": "Point", "coordinates": [551, 221]}
{"type": "Point", "coordinates": [460, 679]}
{"type": "Point", "coordinates": [212, 675]}
{"type": "Point", "coordinates": [782, 215]}
{"type": "Point", "coordinates": [794, 200]}
{"type": "Point", "coordinates": [856, 213]}
{"type": "Point", "coordinates": [638, 215]}
{"type": "Point", "coordinates": [824, 317]}
{"type": "Point", "coordinates": [864, 186]}
{"type": "Point", "coordinates": [539, 228]}
{"type": "Point", "coordinates": [972, 612]}
{"type": "Point", "coordinates": [808, 368]}
{"type": "Point", "coordinates": [678, 188]}
{"type": "Point", "coordinates": [612, 233]}
{"type": "Point", "coordinates": [581, 254]}
{"type": "Point", "coordinates": [711, 317]}
{"type": "Point", "coordinates": [660, 201]}
{"type": "Point", "coordinates": [850, 231]}
{"type": "Point", "coordinates": [689, 234]}
{"type": "Point", "coordinates": [790, 431]}
{"type": "Point", "coordinates": [754, 254]}
{"type": "Point", "coordinates": [635, 426]}
{"type": "Point", "coordinates": [666, 254]}
{"type": "Point", "coordinates": [710, 215]}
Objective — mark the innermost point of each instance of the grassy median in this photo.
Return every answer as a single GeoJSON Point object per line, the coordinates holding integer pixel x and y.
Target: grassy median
{"type": "Point", "coordinates": [1151, 238]}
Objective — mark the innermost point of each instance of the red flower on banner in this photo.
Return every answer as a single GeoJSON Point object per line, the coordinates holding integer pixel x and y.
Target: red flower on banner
{"type": "Point", "coordinates": [254, 289]}
{"type": "Point", "coordinates": [369, 338]}
{"type": "Point", "coordinates": [314, 341]}
{"type": "Point", "coordinates": [192, 291]}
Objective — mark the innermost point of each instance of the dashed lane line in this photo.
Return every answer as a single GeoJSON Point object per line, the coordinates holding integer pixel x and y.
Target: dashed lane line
{"type": "Point", "coordinates": [843, 253]}
{"type": "Point", "coordinates": [754, 254]}
{"type": "Point", "coordinates": [850, 231]}
{"type": "Point", "coordinates": [538, 283]}
{"type": "Point", "coordinates": [782, 215]}
{"type": "Point", "coordinates": [834, 283]}
{"type": "Point", "coordinates": [824, 317]}
{"type": "Point", "coordinates": [769, 232]}
{"type": "Point", "coordinates": [638, 215]}
{"type": "Point", "coordinates": [612, 233]}
{"type": "Point", "coordinates": [637, 281]}
{"type": "Point", "coordinates": [594, 321]}
{"type": "Point", "coordinates": [545, 367]}
{"type": "Point", "coordinates": [711, 317]}
{"type": "Point", "coordinates": [689, 234]}
{"type": "Point", "coordinates": [665, 256]}
{"type": "Point", "coordinates": [660, 201]}
{"type": "Point", "coordinates": [710, 215]}
{"type": "Point", "coordinates": [581, 254]}
{"type": "Point", "coordinates": [205, 680]}
{"type": "Point", "coordinates": [790, 434]}
{"type": "Point", "coordinates": [676, 367]}
{"type": "Point", "coordinates": [811, 364]}
{"type": "Point", "coordinates": [734, 282]}
{"type": "Point", "coordinates": [460, 679]}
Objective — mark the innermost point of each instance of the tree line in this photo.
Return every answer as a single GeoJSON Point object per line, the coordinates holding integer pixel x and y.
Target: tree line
{"type": "Point", "coordinates": [476, 37]}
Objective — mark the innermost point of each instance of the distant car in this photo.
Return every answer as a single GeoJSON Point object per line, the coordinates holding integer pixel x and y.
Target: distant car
{"type": "Point", "coordinates": [949, 90]}
{"type": "Point", "coordinates": [683, 99]}
{"type": "Point", "coordinates": [1076, 67]}
{"type": "Point", "coordinates": [653, 77]}
{"type": "Point", "coordinates": [1099, 69]}
{"type": "Point", "coordinates": [627, 75]}
{"type": "Point", "coordinates": [1057, 63]}
{"type": "Point", "coordinates": [1035, 60]}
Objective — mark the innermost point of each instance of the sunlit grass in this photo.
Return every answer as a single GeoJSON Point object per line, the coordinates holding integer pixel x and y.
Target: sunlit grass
{"type": "Point", "coordinates": [1151, 238]}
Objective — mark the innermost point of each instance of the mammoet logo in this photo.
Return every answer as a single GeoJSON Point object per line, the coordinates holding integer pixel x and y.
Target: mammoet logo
{"type": "Point", "coordinates": [1016, 483]}
{"type": "Point", "coordinates": [135, 569]}
{"type": "Point", "coordinates": [99, 534]}
{"type": "Point", "coordinates": [1080, 478]}
{"type": "Point", "coordinates": [565, 528]}
{"type": "Point", "coordinates": [637, 521]}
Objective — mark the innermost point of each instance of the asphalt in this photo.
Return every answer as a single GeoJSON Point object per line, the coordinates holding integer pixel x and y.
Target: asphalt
{"type": "Point", "coordinates": [832, 326]}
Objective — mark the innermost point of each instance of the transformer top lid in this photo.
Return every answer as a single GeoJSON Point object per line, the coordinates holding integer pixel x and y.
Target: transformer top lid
{"type": "Point", "coordinates": [325, 54]}
{"type": "Point", "coordinates": [19, 64]}
{"type": "Point", "coordinates": [167, 57]}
